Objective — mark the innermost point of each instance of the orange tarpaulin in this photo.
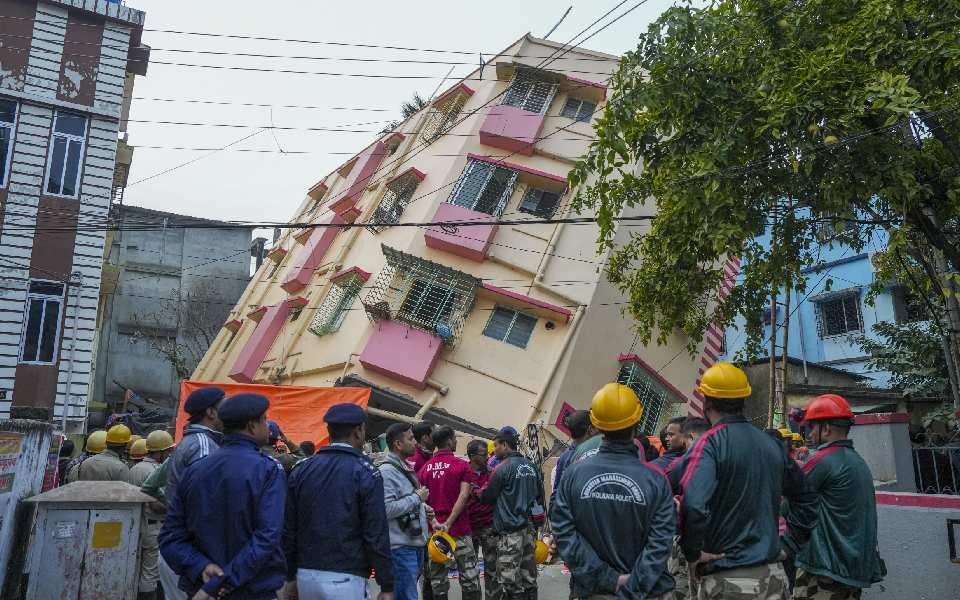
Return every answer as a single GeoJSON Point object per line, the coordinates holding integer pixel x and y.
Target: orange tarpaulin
{"type": "Point", "coordinates": [298, 410]}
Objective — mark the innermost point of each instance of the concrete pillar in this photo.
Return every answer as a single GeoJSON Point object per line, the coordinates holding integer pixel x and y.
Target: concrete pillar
{"type": "Point", "coordinates": [883, 440]}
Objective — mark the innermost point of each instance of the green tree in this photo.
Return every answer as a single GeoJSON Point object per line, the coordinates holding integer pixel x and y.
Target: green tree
{"type": "Point", "coordinates": [791, 116]}
{"type": "Point", "coordinates": [407, 109]}
{"type": "Point", "coordinates": [912, 353]}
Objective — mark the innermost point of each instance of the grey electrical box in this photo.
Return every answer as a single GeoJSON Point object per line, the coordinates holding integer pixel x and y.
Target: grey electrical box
{"type": "Point", "coordinates": [86, 542]}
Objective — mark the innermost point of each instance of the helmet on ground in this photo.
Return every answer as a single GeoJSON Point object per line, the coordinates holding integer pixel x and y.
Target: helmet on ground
{"type": "Point", "coordinates": [441, 547]}
{"type": "Point", "coordinates": [726, 381]}
{"type": "Point", "coordinates": [133, 438]}
{"type": "Point", "coordinates": [118, 434]}
{"type": "Point", "coordinates": [615, 407]}
{"type": "Point", "coordinates": [541, 552]}
{"type": "Point", "coordinates": [796, 437]}
{"type": "Point", "coordinates": [158, 441]}
{"type": "Point", "coordinates": [828, 406]}
{"type": "Point", "coordinates": [138, 449]}
{"type": "Point", "coordinates": [96, 442]}
{"type": "Point", "coordinates": [785, 433]}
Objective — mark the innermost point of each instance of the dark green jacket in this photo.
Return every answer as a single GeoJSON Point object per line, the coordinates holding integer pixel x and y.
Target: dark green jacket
{"type": "Point", "coordinates": [843, 546]}
{"type": "Point", "coordinates": [514, 488]}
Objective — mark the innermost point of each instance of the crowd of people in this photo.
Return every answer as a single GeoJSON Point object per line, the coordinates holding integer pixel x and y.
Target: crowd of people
{"type": "Point", "coordinates": [721, 510]}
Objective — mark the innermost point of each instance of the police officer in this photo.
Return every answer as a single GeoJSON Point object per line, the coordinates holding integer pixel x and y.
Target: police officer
{"type": "Point", "coordinates": [108, 465]}
{"type": "Point", "coordinates": [515, 488]}
{"type": "Point", "coordinates": [841, 557]}
{"type": "Point", "coordinates": [733, 480]}
{"type": "Point", "coordinates": [157, 446]}
{"type": "Point", "coordinates": [615, 517]}
{"type": "Point", "coordinates": [336, 527]}
{"type": "Point", "coordinates": [223, 527]}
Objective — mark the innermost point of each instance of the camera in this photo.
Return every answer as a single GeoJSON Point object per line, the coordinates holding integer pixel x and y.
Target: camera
{"type": "Point", "coordinates": [410, 524]}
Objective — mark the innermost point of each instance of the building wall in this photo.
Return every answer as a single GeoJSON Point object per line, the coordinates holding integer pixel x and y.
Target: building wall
{"type": "Point", "coordinates": [75, 59]}
{"type": "Point", "coordinates": [486, 381]}
{"type": "Point", "coordinates": [157, 266]}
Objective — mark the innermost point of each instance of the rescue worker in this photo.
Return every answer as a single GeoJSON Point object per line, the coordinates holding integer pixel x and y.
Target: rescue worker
{"type": "Point", "coordinates": [516, 491]}
{"type": "Point", "coordinates": [690, 431]}
{"type": "Point", "coordinates": [406, 505]}
{"type": "Point", "coordinates": [223, 527]}
{"type": "Point", "coordinates": [615, 517]}
{"type": "Point", "coordinates": [96, 443]}
{"type": "Point", "coordinates": [423, 434]}
{"type": "Point", "coordinates": [676, 445]}
{"type": "Point", "coordinates": [731, 488]}
{"type": "Point", "coordinates": [286, 458]}
{"type": "Point", "coordinates": [581, 429]}
{"type": "Point", "coordinates": [801, 452]}
{"type": "Point", "coordinates": [481, 517]}
{"type": "Point", "coordinates": [841, 557]}
{"type": "Point", "coordinates": [64, 458]}
{"type": "Point", "coordinates": [505, 430]}
{"type": "Point", "coordinates": [448, 479]}
{"type": "Point", "coordinates": [201, 436]}
{"type": "Point", "coordinates": [136, 451]}
{"type": "Point", "coordinates": [108, 465]}
{"type": "Point", "coordinates": [336, 527]}
{"type": "Point", "coordinates": [157, 446]}
{"type": "Point", "coordinates": [130, 457]}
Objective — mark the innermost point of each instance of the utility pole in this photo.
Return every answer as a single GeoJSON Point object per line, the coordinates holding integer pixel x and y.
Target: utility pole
{"type": "Point", "coordinates": [782, 379]}
{"type": "Point", "coordinates": [772, 395]}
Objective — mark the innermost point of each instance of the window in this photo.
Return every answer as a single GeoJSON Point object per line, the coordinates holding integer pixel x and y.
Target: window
{"type": "Point", "coordinates": [233, 336]}
{"type": "Point", "coordinates": [41, 330]}
{"type": "Point", "coordinates": [398, 195]}
{"type": "Point", "coordinates": [66, 153]}
{"type": "Point", "coordinates": [333, 310]}
{"type": "Point", "coordinates": [484, 187]}
{"type": "Point", "coordinates": [428, 304]}
{"type": "Point", "coordinates": [530, 90]}
{"type": "Point", "coordinates": [652, 394]}
{"type": "Point", "coordinates": [8, 119]}
{"type": "Point", "coordinates": [908, 306]}
{"type": "Point", "coordinates": [578, 110]}
{"type": "Point", "coordinates": [444, 116]}
{"type": "Point", "coordinates": [510, 326]}
{"type": "Point", "coordinates": [839, 314]}
{"type": "Point", "coordinates": [540, 202]}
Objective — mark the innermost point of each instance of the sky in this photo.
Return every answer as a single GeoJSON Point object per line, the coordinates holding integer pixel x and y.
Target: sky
{"type": "Point", "coordinates": [268, 186]}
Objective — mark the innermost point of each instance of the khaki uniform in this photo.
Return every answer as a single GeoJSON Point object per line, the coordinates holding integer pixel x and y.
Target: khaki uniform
{"type": "Point", "coordinates": [105, 466]}
{"type": "Point", "coordinates": [761, 582]}
{"type": "Point", "coordinates": [465, 560]}
{"type": "Point", "coordinates": [149, 549]}
{"type": "Point", "coordinates": [141, 470]}
{"type": "Point", "coordinates": [818, 587]}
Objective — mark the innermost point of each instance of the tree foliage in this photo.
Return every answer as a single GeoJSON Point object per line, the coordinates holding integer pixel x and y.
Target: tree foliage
{"type": "Point", "coordinates": [912, 353]}
{"type": "Point", "coordinates": [777, 114]}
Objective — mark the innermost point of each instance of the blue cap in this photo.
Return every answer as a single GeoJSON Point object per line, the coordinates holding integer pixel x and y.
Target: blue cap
{"type": "Point", "coordinates": [243, 407]}
{"type": "Point", "coordinates": [507, 430]}
{"type": "Point", "coordinates": [275, 432]}
{"type": "Point", "coordinates": [345, 414]}
{"type": "Point", "coordinates": [202, 399]}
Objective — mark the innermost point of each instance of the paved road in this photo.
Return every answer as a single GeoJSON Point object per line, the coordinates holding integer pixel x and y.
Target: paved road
{"type": "Point", "coordinates": [553, 584]}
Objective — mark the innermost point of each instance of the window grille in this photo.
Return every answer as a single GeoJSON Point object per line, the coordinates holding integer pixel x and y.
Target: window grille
{"type": "Point", "coordinates": [421, 293]}
{"type": "Point", "coordinates": [41, 328]}
{"type": "Point", "coordinates": [578, 110]}
{"type": "Point", "coordinates": [540, 202]}
{"type": "Point", "coordinates": [839, 314]}
{"type": "Point", "coordinates": [443, 117]}
{"type": "Point", "coordinates": [653, 395]}
{"type": "Point", "coordinates": [395, 201]}
{"type": "Point", "coordinates": [530, 90]}
{"type": "Point", "coordinates": [335, 306]}
{"type": "Point", "coordinates": [510, 326]}
{"type": "Point", "coordinates": [66, 154]}
{"type": "Point", "coordinates": [484, 187]}
{"type": "Point", "coordinates": [8, 119]}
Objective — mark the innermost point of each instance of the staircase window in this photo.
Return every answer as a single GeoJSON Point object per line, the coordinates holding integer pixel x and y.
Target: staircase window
{"type": "Point", "coordinates": [398, 195]}
{"type": "Point", "coordinates": [484, 187]}
{"type": "Point", "coordinates": [444, 116]}
{"type": "Point", "coordinates": [333, 310]}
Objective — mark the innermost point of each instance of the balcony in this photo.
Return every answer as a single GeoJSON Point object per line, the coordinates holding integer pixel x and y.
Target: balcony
{"type": "Point", "coordinates": [269, 321]}
{"type": "Point", "coordinates": [402, 352]}
{"type": "Point", "coordinates": [358, 179]}
{"type": "Point", "coordinates": [511, 128]}
{"type": "Point", "coordinates": [317, 241]}
{"type": "Point", "coordinates": [471, 242]}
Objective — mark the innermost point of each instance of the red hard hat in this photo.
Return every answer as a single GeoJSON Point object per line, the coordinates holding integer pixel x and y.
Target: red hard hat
{"type": "Point", "coordinates": [828, 406]}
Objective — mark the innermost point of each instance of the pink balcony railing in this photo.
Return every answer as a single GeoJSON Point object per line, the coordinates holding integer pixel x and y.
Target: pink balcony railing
{"type": "Point", "coordinates": [401, 352]}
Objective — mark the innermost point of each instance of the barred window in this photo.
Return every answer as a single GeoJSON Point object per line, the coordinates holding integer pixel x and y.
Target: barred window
{"type": "Point", "coordinates": [578, 110]}
{"type": "Point", "coordinates": [484, 187]}
{"type": "Point", "coordinates": [839, 314]}
{"type": "Point", "coordinates": [540, 202]}
{"type": "Point", "coordinates": [428, 304]}
{"type": "Point", "coordinates": [653, 395]}
{"type": "Point", "coordinates": [333, 310]}
{"type": "Point", "coordinates": [398, 195]}
{"type": "Point", "coordinates": [510, 326]}
{"type": "Point", "coordinates": [530, 90]}
{"type": "Point", "coordinates": [444, 116]}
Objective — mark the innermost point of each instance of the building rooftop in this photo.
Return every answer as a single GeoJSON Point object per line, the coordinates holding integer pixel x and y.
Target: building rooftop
{"type": "Point", "coordinates": [159, 215]}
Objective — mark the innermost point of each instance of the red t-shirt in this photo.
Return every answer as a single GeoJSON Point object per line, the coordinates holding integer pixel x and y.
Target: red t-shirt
{"type": "Point", "coordinates": [442, 475]}
{"type": "Point", "coordinates": [481, 515]}
{"type": "Point", "coordinates": [419, 459]}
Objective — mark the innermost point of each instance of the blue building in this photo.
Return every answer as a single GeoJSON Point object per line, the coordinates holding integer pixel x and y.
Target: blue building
{"type": "Point", "coordinates": [833, 310]}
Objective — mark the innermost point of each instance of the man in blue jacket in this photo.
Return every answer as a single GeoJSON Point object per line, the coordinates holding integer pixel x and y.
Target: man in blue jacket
{"type": "Point", "coordinates": [223, 527]}
{"type": "Point", "coordinates": [336, 527]}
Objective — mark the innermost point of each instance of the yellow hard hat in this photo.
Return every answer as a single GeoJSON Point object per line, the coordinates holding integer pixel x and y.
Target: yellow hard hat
{"type": "Point", "coordinates": [138, 449]}
{"type": "Point", "coordinates": [441, 547]}
{"type": "Point", "coordinates": [97, 442]}
{"type": "Point", "coordinates": [158, 441]}
{"type": "Point", "coordinates": [118, 434]}
{"type": "Point", "coordinates": [541, 552]}
{"type": "Point", "coordinates": [785, 433]}
{"type": "Point", "coordinates": [726, 381]}
{"type": "Point", "coordinates": [490, 448]}
{"type": "Point", "coordinates": [796, 437]}
{"type": "Point", "coordinates": [615, 407]}
{"type": "Point", "coordinates": [133, 438]}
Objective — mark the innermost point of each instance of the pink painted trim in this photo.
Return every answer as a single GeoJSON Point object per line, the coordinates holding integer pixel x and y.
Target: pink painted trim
{"type": "Point", "coordinates": [697, 453]}
{"type": "Point", "coordinates": [881, 419]}
{"type": "Point", "coordinates": [516, 167]}
{"type": "Point", "coordinates": [710, 353]}
{"type": "Point", "coordinates": [277, 254]}
{"type": "Point", "coordinates": [233, 325]}
{"type": "Point", "coordinates": [699, 395]}
{"type": "Point", "coordinates": [918, 500]}
{"type": "Point", "coordinates": [257, 313]}
{"type": "Point", "coordinates": [623, 357]}
{"type": "Point", "coordinates": [820, 455]}
{"type": "Point", "coordinates": [303, 234]}
{"type": "Point", "coordinates": [411, 171]}
{"type": "Point", "coordinates": [319, 186]}
{"type": "Point", "coordinates": [587, 82]}
{"type": "Point", "coordinates": [351, 214]}
{"type": "Point", "coordinates": [714, 345]}
{"type": "Point", "coordinates": [460, 86]}
{"type": "Point", "coordinates": [296, 302]}
{"type": "Point", "coordinates": [352, 270]}
{"type": "Point", "coordinates": [563, 312]}
{"type": "Point", "coordinates": [396, 134]}
{"type": "Point", "coordinates": [704, 362]}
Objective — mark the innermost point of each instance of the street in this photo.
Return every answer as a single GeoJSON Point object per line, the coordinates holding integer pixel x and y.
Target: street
{"type": "Point", "coordinates": [553, 583]}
